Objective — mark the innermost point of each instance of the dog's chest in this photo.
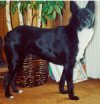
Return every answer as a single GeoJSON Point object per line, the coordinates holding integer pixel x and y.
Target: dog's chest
{"type": "Point", "coordinates": [84, 38]}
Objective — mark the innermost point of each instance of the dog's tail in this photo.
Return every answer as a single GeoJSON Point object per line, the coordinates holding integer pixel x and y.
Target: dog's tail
{"type": "Point", "coordinates": [2, 59]}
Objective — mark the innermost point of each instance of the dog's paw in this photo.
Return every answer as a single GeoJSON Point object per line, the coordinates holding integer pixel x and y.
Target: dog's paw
{"type": "Point", "coordinates": [10, 96]}
{"type": "Point", "coordinates": [63, 91]}
{"type": "Point", "coordinates": [20, 91]}
{"type": "Point", "coordinates": [74, 98]}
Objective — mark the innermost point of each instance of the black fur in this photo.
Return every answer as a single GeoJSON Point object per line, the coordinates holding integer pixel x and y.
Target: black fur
{"type": "Point", "coordinates": [58, 45]}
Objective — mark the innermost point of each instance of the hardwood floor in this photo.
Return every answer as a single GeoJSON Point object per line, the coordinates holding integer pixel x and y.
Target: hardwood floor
{"type": "Point", "coordinates": [88, 91]}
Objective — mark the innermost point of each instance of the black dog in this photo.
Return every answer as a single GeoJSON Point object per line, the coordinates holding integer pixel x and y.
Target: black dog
{"type": "Point", "coordinates": [60, 45]}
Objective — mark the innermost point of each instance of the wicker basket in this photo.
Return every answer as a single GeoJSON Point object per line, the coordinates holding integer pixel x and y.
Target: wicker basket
{"type": "Point", "coordinates": [34, 72]}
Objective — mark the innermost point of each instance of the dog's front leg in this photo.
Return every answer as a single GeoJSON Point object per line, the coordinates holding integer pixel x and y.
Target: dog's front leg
{"type": "Point", "coordinates": [62, 83]}
{"type": "Point", "coordinates": [68, 69]}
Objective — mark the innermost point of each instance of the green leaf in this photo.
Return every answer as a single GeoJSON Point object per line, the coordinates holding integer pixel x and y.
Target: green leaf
{"type": "Point", "coordinates": [60, 4]}
{"type": "Point", "coordinates": [52, 3]}
{"type": "Point", "coordinates": [15, 3]}
{"type": "Point", "coordinates": [14, 6]}
{"type": "Point", "coordinates": [50, 10]}
{"type": "Point", "coordinates": [44, 20]}
{"type": "Point", "coordinates": [2, 3]}
{"type": "Point", "coordinates": [54, 15]}
{"type": "Point", "coordinates": [40, 2]}
{"type": "Point", "coordinates": [45, 8]}
{"type": "Point", "coordinates": [13, 9]}
{"type": "Point", "coordinates": [28, 1]}
{"type": "Point", "coordinates": [58, 10]}
{"type": "Point", "coordinates": [32, 6]}
{"type": "Point", "coordinates": [50, 16]}
{"type": "Point", "coordinates": [25, 5]}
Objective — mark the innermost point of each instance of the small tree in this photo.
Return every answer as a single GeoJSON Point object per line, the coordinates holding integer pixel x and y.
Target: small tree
{"type": "Point", "coordinates": [46, 10]}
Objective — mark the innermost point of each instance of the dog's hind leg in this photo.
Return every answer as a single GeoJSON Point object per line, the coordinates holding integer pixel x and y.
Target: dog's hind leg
{"type": "Point", "coordinates": [7, 86]}
{"type": "Point", "coordinates": [13, 82]}
{"type": "Point", "coordinates": [14, 63]}
{"type": "Point", "coordinates": [62, 83]}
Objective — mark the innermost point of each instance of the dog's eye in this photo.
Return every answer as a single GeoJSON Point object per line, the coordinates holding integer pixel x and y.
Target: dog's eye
{"type": "Point", "coordinates": [88, 15]}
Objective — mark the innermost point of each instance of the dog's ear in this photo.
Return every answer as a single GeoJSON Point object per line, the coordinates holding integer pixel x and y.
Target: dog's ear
{"type": "Point", "coordinates": [91, 6]}
{"type": "Point", "coordinates": [73, 7]}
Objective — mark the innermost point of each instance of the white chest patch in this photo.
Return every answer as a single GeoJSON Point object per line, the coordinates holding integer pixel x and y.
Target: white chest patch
{"type": "Point", "coordinates": [84, 38]}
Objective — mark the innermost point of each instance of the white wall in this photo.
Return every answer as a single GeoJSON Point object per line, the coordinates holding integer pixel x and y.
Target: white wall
{"type": "Point", "coordinates": [93, 50]}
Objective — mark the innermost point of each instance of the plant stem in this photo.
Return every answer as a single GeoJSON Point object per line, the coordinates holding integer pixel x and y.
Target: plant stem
{"type": "Point", "coordinates": [8, 16]}
{"type": "Point", "coordinates": [40, 14]}
{"type": "Point", "coordinates": [20, 15]}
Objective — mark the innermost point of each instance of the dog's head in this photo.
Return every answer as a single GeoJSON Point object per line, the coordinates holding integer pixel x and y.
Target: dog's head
{"type": "Point", "coordinates": [84, 16]}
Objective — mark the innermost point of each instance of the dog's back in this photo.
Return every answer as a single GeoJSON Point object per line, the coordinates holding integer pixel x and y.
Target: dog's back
{"type": "Point", "coordinates": [45, 43]}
